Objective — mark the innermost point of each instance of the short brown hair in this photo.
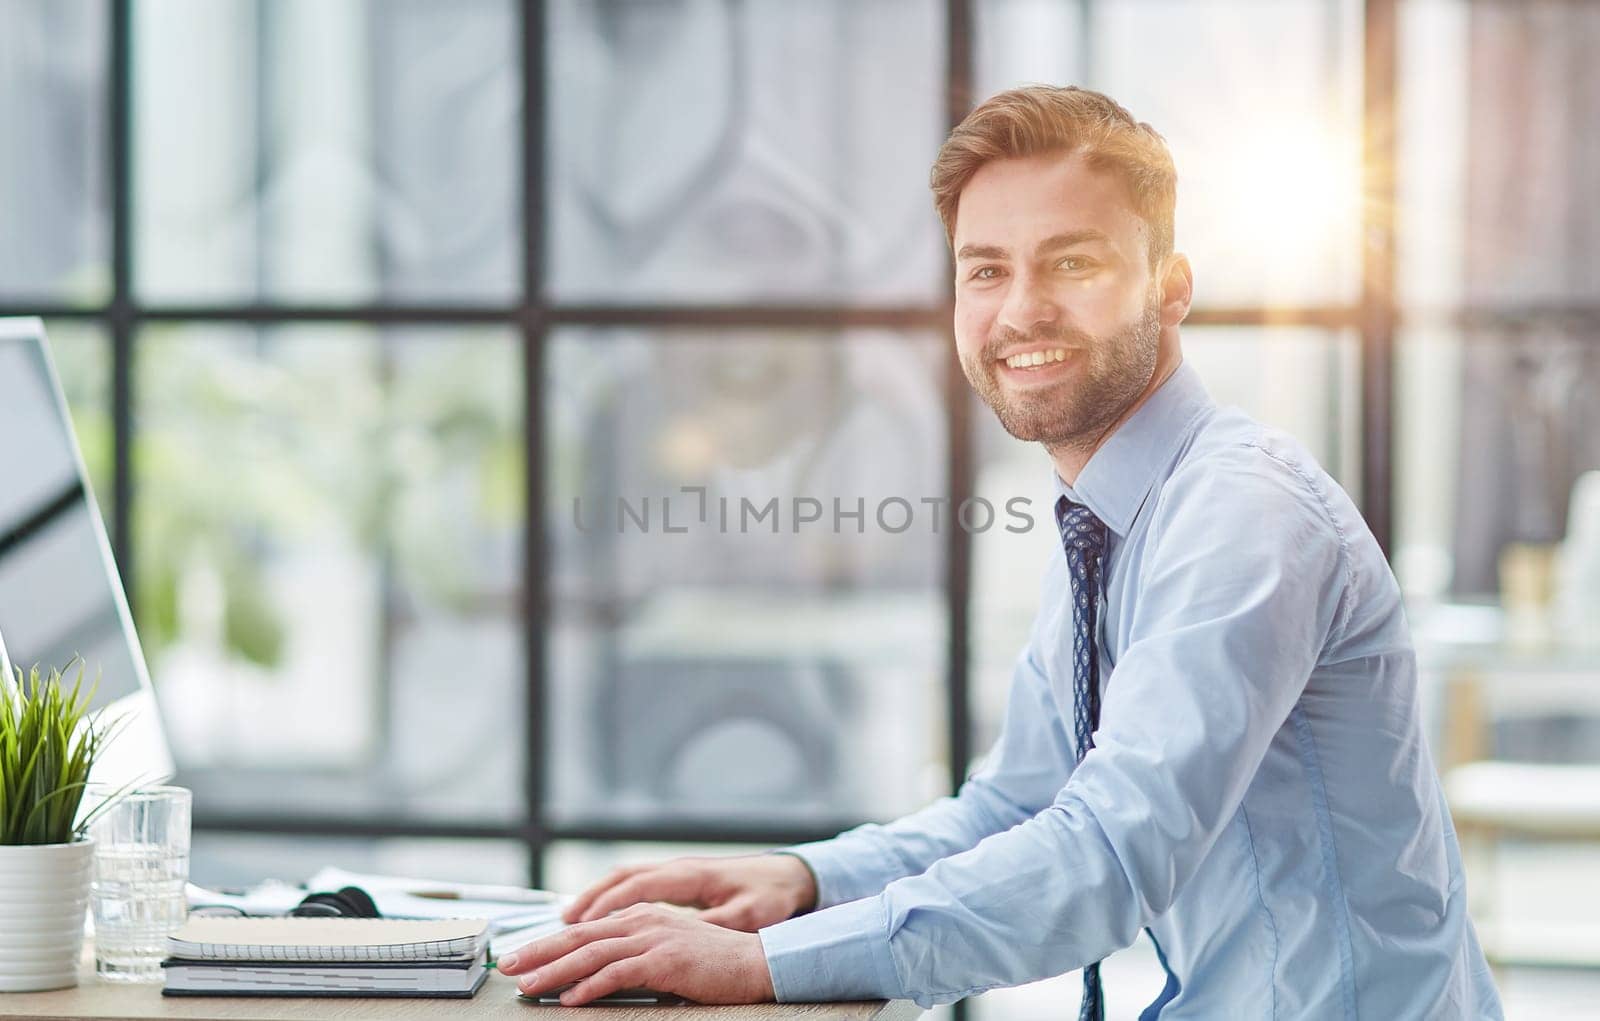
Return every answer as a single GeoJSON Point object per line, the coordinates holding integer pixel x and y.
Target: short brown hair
{"type": "Point", "coordinates": [1038, 119]}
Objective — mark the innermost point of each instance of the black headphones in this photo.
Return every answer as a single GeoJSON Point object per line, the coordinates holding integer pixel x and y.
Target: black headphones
{"type": "Point", "coordinates": [350, 902]}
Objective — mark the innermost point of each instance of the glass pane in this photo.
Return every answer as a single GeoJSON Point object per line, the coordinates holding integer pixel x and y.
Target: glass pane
{"type": "Point", "coordinates": [1496, 215]}
{"type": "Point", "coordinates": [83, 361]}
{"type": "Point", "coordinates": [721, 152]}
{"type": "Point", "coordinates": [1304, 381]}
{"type": "Point", "coordinates": [329, 539]}
{"type": "Point", "coordinates": [1428, 397]}
{"type": "Point", "coordinates": [304, 151]}
{"type": "Point", "coordinates": [1509, 472]}
{"type": "Point", "coordinates": [56, 243]}
{"type": "Point", "coordinates": [231, 862]}
{"type": "Point", "coordinates": [772, 655]}
{"type": "Point", "coordinates": [1432, 105]}
{"type": "Point", "coordinates": [1498, 110]}
{"type": "Point", "coordinates": [1265, 131]}
{"type": "Point", "coordinates": [1021, 42]}
{"type": "Point", "coordinates": [1007, 567]}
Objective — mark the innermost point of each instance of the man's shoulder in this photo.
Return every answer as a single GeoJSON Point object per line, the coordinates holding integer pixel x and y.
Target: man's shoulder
{"type": "Point", "coordinates": [1258, 476]}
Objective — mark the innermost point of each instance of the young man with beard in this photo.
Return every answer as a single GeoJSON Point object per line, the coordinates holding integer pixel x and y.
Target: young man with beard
{"type": "Point", "coordinates": [1213, 733]}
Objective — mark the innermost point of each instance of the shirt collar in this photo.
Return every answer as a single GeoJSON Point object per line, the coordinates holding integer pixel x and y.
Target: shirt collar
{"type": "Point", "coordinates": [1118, 477]}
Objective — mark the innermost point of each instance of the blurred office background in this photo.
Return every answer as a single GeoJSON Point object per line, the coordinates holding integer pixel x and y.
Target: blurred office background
{"type": "Point", "coordinates": [353, 299]}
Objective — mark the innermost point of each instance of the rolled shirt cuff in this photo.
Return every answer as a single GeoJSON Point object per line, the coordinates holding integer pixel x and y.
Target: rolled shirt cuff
{"type": "Point", "coordinates": [839, 953]}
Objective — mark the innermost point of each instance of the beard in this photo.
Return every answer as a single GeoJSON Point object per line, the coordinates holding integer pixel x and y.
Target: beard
{"type": "Point", "coordinates": [1077, 411]}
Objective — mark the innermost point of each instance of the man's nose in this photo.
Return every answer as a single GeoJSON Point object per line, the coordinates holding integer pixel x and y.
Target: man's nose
{"type": "Point", "coordinates": [1028, 305]}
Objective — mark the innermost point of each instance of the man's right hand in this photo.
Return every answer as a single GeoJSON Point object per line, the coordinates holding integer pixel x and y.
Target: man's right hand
{"type": "Point", "coordinates": [745, 893]}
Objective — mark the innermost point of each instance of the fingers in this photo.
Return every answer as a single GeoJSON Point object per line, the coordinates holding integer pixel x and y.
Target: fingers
{"type": "Point", "coordinates": [740, 913]}
{"type": "Point", "coordinates": [560, 944]}
{"type": "Point", "coordinates": [575, 911]}
{"type": "Point", "coordinates": [655, 948]}
{"type": "Point", "coordinates": [677, 886]}
{"type": "Point", "coordinates": [628, 973]}
{"type": "Point", "coordinates": [581, 964]}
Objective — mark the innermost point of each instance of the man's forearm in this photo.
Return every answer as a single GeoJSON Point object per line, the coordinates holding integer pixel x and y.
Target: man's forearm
{"type": "Point", "coordinates": [862, 861]}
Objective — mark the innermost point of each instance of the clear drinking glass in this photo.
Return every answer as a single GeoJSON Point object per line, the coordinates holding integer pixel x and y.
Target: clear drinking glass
{"type": "Point", "coordinates": [141, 863]}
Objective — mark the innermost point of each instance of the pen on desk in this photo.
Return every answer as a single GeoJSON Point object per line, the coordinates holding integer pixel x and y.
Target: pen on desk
{"type": "Point", "coordinates": [506, 894]}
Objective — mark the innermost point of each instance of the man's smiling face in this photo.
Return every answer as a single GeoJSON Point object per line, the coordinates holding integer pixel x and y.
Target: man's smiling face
{"type": "Point", "coordinates": [1057, 317]}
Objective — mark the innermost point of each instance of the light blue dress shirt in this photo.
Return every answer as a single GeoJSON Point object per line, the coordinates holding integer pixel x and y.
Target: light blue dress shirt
{"type": "Point", "coordinates": [1259, 796]}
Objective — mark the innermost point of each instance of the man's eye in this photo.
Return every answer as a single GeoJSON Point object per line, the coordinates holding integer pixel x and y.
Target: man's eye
{"type": "Point", "coordinates": [1075, 263]}
{"type": "Point", "coordinates": [986, 273]}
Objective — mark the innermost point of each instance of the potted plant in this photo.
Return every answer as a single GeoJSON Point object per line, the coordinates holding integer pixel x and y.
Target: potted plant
{"type": "Point", "coordinates": [48, 742]}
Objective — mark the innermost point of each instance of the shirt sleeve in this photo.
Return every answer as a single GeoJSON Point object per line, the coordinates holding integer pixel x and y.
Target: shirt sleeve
{"type": "Point", "coordinates": [1023, 772]}
{"type": "Point", "coordinates": [1024, 769]}
{"type": "Point", "coordinates": [1238, 595]}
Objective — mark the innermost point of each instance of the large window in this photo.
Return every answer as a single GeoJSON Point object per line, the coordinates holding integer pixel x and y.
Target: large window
{"type": "Point", "coordinates": [430, 360]}
{"type": "Point", "coordinates": [391, 329]}
{"type": "Point", "coordinates": [394, 330]}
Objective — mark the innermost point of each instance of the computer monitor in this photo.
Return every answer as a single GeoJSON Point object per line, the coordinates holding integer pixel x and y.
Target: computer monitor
{"type": "Point", "coordinates": [60, 594]}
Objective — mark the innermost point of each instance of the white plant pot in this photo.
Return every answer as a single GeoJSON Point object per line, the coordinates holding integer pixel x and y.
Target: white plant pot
{"type": "Point", "coordinates": [44, 892]}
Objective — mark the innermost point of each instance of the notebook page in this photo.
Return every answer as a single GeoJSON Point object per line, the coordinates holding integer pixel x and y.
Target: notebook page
{"type": "Point", "coordinates": [328, 939]}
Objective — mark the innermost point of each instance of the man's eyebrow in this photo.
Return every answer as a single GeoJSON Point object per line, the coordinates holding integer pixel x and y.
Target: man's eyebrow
{"type": "Point", "coordinates": [1055, 241]}
{"type": "Point", "coordinates": [981, 252]}
{"type": "Point", "coordinates": [1073, 237]}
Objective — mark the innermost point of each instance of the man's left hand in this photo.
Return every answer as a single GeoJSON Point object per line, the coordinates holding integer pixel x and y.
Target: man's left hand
{"type": "Point", "coordinates": [645, 946]}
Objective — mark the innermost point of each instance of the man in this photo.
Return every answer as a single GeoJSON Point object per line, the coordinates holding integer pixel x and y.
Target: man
{"type": "Point", "coordinates": [1213, 733]}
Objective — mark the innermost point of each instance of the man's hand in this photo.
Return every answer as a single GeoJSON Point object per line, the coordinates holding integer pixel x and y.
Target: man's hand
{"type": "Point", "coordinates": [744, 893]}
{"type": "Point", "coordinates": [645, 947]}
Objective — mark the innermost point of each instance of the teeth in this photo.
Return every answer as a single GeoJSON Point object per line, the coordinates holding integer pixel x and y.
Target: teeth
{"type": "Point", "coordinates": [1032, 358]}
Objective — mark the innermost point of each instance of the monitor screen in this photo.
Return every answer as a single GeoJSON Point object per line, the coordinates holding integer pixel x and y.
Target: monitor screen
{"type": "Point", "coordinates": [60, 595]}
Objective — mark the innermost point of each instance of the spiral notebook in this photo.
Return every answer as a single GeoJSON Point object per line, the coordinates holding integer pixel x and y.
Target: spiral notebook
{"type": "Point", "coordinates": [411, 979]}
{"type": "Point", "coordinates": [348, 940]}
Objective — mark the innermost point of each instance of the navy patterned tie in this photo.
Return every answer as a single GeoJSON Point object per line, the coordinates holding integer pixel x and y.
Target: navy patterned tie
{"type": "Point", "coordinates": [1084, 537]}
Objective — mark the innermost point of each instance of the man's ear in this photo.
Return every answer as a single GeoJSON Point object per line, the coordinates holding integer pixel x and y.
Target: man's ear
{"type": "Point", "coordinates": [1177, 289]}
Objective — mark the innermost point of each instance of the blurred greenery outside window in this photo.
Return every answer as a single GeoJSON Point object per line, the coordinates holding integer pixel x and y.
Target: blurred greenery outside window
{"type": "Point", "coordinates": [347, 432]}
{"type": "Point", "coordinates": [335, 560]}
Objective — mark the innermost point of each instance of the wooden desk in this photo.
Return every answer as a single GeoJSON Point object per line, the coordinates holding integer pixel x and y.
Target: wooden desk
{"type": "Point", "coordinates": [497, 1000]}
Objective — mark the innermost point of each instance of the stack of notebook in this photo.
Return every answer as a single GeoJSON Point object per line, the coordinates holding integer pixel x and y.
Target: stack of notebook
{"type": "Point", "coordinates": [327, 957]}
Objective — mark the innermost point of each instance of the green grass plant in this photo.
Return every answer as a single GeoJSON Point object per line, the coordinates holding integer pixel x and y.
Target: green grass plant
{"type": "Point", "coordinates": [49, 741]}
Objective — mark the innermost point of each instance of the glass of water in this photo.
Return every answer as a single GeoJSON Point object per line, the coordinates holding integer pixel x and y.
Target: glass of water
{"type": "Point", "coordinates": [141, 864]}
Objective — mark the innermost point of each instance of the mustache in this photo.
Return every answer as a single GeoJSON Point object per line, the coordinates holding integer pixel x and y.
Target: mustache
{"type": "Point", "coordinates": [1006, 337]}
